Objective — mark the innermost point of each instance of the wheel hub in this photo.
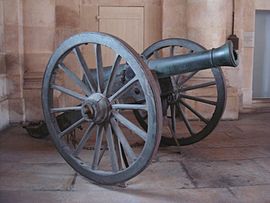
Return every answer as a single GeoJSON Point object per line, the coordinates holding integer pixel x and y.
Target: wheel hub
{"type": "Point", "coordinates": [96, 108]}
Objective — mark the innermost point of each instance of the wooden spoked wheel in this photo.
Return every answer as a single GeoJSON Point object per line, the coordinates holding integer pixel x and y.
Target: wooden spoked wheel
{"type": "Point", "coordinates": [193, 103]}
{"type": "Point", "coordinates": [102, 113]}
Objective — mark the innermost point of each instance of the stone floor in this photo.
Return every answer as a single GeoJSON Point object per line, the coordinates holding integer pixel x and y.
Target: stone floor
{"type": "Point", "coordinates": [231, 165]}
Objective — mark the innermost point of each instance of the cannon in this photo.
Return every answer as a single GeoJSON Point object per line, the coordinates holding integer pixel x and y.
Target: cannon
{"type": "Point", "coordinates": [119, 100]}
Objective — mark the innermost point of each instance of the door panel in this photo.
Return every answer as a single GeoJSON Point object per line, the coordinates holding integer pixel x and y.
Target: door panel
{"type": "Point", "coordinates": [127, 23]}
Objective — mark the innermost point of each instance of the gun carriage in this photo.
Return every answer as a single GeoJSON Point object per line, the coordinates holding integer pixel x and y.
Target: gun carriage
{"type": "Point", "coordinates": [121, 104]}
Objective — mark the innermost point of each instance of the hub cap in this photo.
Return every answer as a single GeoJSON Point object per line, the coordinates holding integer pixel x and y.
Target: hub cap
{"type": "Point", "coordinates": [96, 108]}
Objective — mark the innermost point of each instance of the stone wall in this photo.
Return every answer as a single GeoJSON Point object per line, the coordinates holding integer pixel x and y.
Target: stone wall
{"type": "Point", "coordinates": [39, 39]}
{"type": "Point", "coordinates": [4, 120]}
{"type": "Point", "coordinates": [14, 48]}
{"type": "Point", "coordinates": [174, 18]}
{"type": "Point", "coordinates": [31, 29]}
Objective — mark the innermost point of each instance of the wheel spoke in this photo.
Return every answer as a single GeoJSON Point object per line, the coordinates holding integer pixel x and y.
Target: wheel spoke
{"type": "Point", "coordinates": [186, 121]}
{"type": "Point", "coordinates": [202, 85]}
{"type": "Point", "coordinates": [118, 132]}
{"type": "Point", "coordinates": [173, 118]}
{"type": "Point", "coordinates": [172, 50]}
{"type": "Point", "coordinates": [198, 99]}
{"type": "Point", "coordinates": [102, 152]}
{"type": "Point", "coordinates": [172, 127]}
{"type": "Point", "coordinates": [74, 78]}
{"type": "Point", "coordinates": [194, 111]}
{"type": "Point", "coordinates": [85, 69]}
{"type": "Point", "coordinates": [99, 137]}
{"type": "Point", "coordinates": [123, 89]}
{"type": "Point", "coordinates": [130, 106]}
{"type": "Point", "coordinates": [100, 73]}
{"type": "Point", "coordinates": [112, 76]}
{"type": "Point", "coordinates": [113, 156]}
{"type": "Point", "coordinates": [130, 125]}
{"type": "Point", "coordinates": [85, 138]}
{"type": "Point", "coordinates": [118, 151]}
{"type": "Point", "coordinates": [68, 92]}
{"type": "Point", "coordinates": [124, 156]}
{"type": "Point", "coordinates": [64, 109]}
{"type": "Point", "coordinates": [72, 127]}
{"type": "Point", "coordinates": [186, 79]}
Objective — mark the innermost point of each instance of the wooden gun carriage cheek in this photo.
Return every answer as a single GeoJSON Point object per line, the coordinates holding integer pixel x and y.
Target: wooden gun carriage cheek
{"type": "Point", "coordinates": [118, 105]}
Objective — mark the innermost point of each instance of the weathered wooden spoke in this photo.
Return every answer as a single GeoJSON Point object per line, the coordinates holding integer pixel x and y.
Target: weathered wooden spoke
{"type": "Point", "coordinates": [182, 82]}
{"type": "Point", "coordinates": [186, 121]}
{"type": "Point", "coordinates": [100, 73]}
{"type": "Point", "coordinates": [141, 133]}
{"type": "Point", "coordinates": [64, 109]}
{"type": "Point", "coordinates": [68, 92]}
{"type": "Point", "coordinates": [194, 111]}
{"type": "Point", "coordinates": [96, 157]}
{"type": "Point", "coordinates": [71, 127]}
{"type": "Point", "coordinates": [104, 148]}
{"type": "Point", "coordinates": [110, 141]}
{"type": "Point", "coordinates": [124, 156]}
{"type": "Point", "coordinates": [84, 139]}
{"type": "Point", "coordinates": [74, 78]}
{"type": "Point", "coordinates": [130, 106]}
{"type": "Point", "coordinates": [89, 78]}
{"type": "Point", "coordinates": [118, 132]}
{"type": "Point", "coordinates": [172, 50]}
{"type": "Point", "coordinates": [109, 86]}
{"type": "Point", "coordinates": [123, 89]}
{"type": "Point", "coordinates": [172, 123]}
{"type": "Point", "coordinates": [197, 86]}
{"type": "Point", "coordinates": [119, 154]}
{"type": "Point", "coordinates": [198, 99]}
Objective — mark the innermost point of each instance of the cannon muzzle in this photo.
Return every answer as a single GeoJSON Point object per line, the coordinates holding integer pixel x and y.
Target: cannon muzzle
{"type": "Point", "coordinates": [221, 56]}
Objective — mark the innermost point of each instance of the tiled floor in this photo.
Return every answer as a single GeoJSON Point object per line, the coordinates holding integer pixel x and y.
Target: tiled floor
{"type": "Point", "coordinates": [231, 165]}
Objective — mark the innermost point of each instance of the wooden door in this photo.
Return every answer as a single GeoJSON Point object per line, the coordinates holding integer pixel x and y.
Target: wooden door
{"type": "Point", "coordinates": [127, 23]}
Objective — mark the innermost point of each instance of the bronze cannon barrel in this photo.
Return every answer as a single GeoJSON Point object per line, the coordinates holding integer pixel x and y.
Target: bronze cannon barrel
{"type": "Point", "coordinates": [224, 55]}
{"type": "Point", "coordinates": [221, 56]}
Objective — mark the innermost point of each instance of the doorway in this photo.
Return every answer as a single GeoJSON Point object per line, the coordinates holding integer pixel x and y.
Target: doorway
{"type": "Point", "coordinates": [261, 66]}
